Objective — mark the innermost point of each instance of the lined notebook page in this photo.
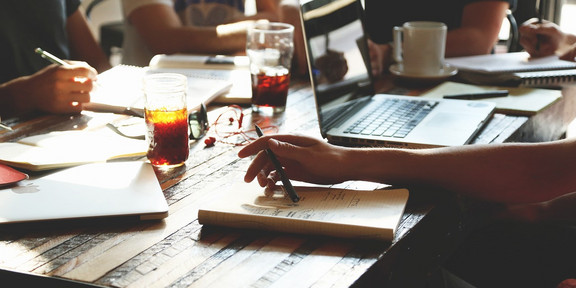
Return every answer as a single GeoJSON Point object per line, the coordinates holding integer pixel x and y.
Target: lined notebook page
{"type": "Point", "coordinates": [372, 214]}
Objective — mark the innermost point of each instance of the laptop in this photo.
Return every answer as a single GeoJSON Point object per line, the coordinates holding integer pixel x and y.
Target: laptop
{"type": "Point", "coordinates": [88, 191]}
{"type": "Point", "coordinates": [350, 113]}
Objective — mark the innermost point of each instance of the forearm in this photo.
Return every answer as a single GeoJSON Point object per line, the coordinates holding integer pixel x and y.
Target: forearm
{"type": "Point", "coordinates": [12, 104]}
{"type": "Point", "coordinates": [478, 32]}
{"type": "Point", "coordinates": [224, 39]}
{"type": "Point", "coordinates": [466, 42]}
{"type": "Point", "coordinates": [83, 45]}
{"type": "Point", "coordinates": [509, 173]}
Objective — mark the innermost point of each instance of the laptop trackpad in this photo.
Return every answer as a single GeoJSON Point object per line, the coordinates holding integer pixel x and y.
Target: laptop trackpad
{"type": "Point", "coordinates": [449, 128]}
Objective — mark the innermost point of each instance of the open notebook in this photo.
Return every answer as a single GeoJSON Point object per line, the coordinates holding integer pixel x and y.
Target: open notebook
{"type": "Point", "coordinates": [122, 87]}
{"type": "Point", "coordinates": [87, 191]}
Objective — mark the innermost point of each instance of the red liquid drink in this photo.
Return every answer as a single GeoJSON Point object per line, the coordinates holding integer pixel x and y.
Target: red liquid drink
{"type": "Point", "coordinates": [167, 137]}
{"type": "Point", "coordinates": [270, 90]}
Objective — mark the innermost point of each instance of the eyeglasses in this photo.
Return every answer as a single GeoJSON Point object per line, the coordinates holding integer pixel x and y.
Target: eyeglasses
{"type": "Point", "coordinates": [131, 128]}
{"type": "Point", "coordinates": [198, 123]}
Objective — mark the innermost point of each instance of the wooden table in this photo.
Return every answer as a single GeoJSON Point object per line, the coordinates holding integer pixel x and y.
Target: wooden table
{"type": "Point", "coordinates": [178, 252]}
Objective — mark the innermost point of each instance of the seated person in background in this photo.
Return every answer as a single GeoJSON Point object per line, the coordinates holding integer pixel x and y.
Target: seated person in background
{"type": "Point", "coordinates": [536, 180]}
{"type": "Point", "coordinates": [199, 27]}
{"type": "Point", "coordinates": [31, 84]}
{"type": "Point", "coordinates": [545, 39]}
{"type": "Point", "coordinates": [473, 25]}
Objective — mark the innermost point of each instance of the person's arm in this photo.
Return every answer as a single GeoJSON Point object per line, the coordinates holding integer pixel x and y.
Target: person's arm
{"type": "Point", "coordinates": [83, 45]}
{"type": "Point", "coordinates": [507, 173]}
{"type": "Point", "coordinates": [481, 24]}
{"type": "Point", "coordinates": [54, 89]}
{"type": "Point", "coordinates": [164, 33]}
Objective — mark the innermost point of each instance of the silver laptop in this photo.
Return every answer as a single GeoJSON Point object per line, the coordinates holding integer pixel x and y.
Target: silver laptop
{"type": "Point", "coordinates": [348, 110]}
{"type": "Point", "coordinates": [87, 191]}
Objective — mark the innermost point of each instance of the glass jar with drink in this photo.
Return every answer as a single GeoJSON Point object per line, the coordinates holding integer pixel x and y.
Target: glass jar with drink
{"type": "Point", "coordinates": [166, 117]}
{"type": "Point", "coordinates": [269, 47]}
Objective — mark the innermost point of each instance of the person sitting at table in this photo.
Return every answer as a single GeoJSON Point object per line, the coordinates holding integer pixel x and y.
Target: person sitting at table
{"type": "Point", "coordinates": [535, 182]}
{"type": "Point", "coordinates": [199, 27]}
{"type": "Point", "coordinates": [31, 84]}
{"type": "Point", "coordinates": [473, 25]}
{"type": "Point", "coordinates": [547, 38]}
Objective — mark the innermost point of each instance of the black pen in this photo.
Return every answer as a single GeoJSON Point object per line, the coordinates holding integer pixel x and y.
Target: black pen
{"type": "Point", "coordinates": [478, 95]}
{"type": "Point", "coordinates": [540, 11]}
{"type": "Point", "coordinates": [287, 185]}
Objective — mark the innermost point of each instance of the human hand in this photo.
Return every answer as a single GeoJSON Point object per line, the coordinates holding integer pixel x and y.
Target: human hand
{"type": "Point", "coordinates": [55, 89]}
{"type": "Point", "coordinates": [541, 39]}
{"type": "Point", "coordinates": [304, 159]}
{"type": "Point", "coordinates": [380, 57]}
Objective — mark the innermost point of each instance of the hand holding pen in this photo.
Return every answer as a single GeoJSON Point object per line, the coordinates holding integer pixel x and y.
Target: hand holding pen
{"type": "Point", "coordinates": [64, 87]}
{"type": "Point", "coordinates": [285, 181]}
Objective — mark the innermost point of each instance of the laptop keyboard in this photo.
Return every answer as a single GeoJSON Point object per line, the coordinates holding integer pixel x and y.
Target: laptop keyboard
{"type": "Point", "coordinates": [393, 118]}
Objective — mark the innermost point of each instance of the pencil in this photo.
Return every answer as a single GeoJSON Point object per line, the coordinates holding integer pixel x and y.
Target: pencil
{"type": "Point", "coordinates": [48, 56]}
{"type": "Point", "coordinates": [287, 185]}
{"type": "Point", "coordinates": [5, 127]}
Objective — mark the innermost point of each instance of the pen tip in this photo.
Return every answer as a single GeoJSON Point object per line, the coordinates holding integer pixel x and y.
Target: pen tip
{"type": "Point", "coordinates": [38, 50]}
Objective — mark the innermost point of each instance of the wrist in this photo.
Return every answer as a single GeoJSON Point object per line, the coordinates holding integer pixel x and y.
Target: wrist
{"type": "Point", "coordinates": [378, 165]}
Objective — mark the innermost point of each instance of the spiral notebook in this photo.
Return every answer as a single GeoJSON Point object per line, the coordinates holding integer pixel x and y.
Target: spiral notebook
{"type": "Point", "coordinates": [514, 69]}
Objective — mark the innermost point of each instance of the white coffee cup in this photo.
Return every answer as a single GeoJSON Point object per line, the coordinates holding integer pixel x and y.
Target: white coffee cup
{"type": "Point", "coordinates": [419, 47]}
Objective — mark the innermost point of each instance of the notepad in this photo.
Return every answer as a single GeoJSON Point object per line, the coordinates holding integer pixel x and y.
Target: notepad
{"type": "Point", "coordinates": [520, 101]}
{"type": "Point", "coordinates": [514, 69]}
{"type": "Point", "coordinates": [508, 62]}
{"type": "Point", "coordinates": [337, 212]}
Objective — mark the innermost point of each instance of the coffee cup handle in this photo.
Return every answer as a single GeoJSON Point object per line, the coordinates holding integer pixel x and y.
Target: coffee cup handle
{"type": "Point", "coordinates": [397, 48]}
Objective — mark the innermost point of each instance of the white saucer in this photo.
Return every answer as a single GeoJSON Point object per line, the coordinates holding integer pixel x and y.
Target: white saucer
{"type": "Point", "coordinates": [447, 71]}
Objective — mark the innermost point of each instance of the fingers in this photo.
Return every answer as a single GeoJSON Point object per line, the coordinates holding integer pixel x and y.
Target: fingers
{"type": "Point", "coordinates": [77, 73]}
{"type": "Point", "coordinates": [262, 143]}
{"type": "Point", "coordinates": [258, 165]}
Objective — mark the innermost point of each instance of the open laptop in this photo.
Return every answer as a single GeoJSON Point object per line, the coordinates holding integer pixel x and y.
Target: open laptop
{"type": "Point", "coordinates": [89, 191]}
{"type": "Point", "coordinates": [339, 66]}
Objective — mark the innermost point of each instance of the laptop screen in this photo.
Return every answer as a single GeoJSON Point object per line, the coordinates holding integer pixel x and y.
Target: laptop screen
{"type": "Point", "coordinates": [337, 54]}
